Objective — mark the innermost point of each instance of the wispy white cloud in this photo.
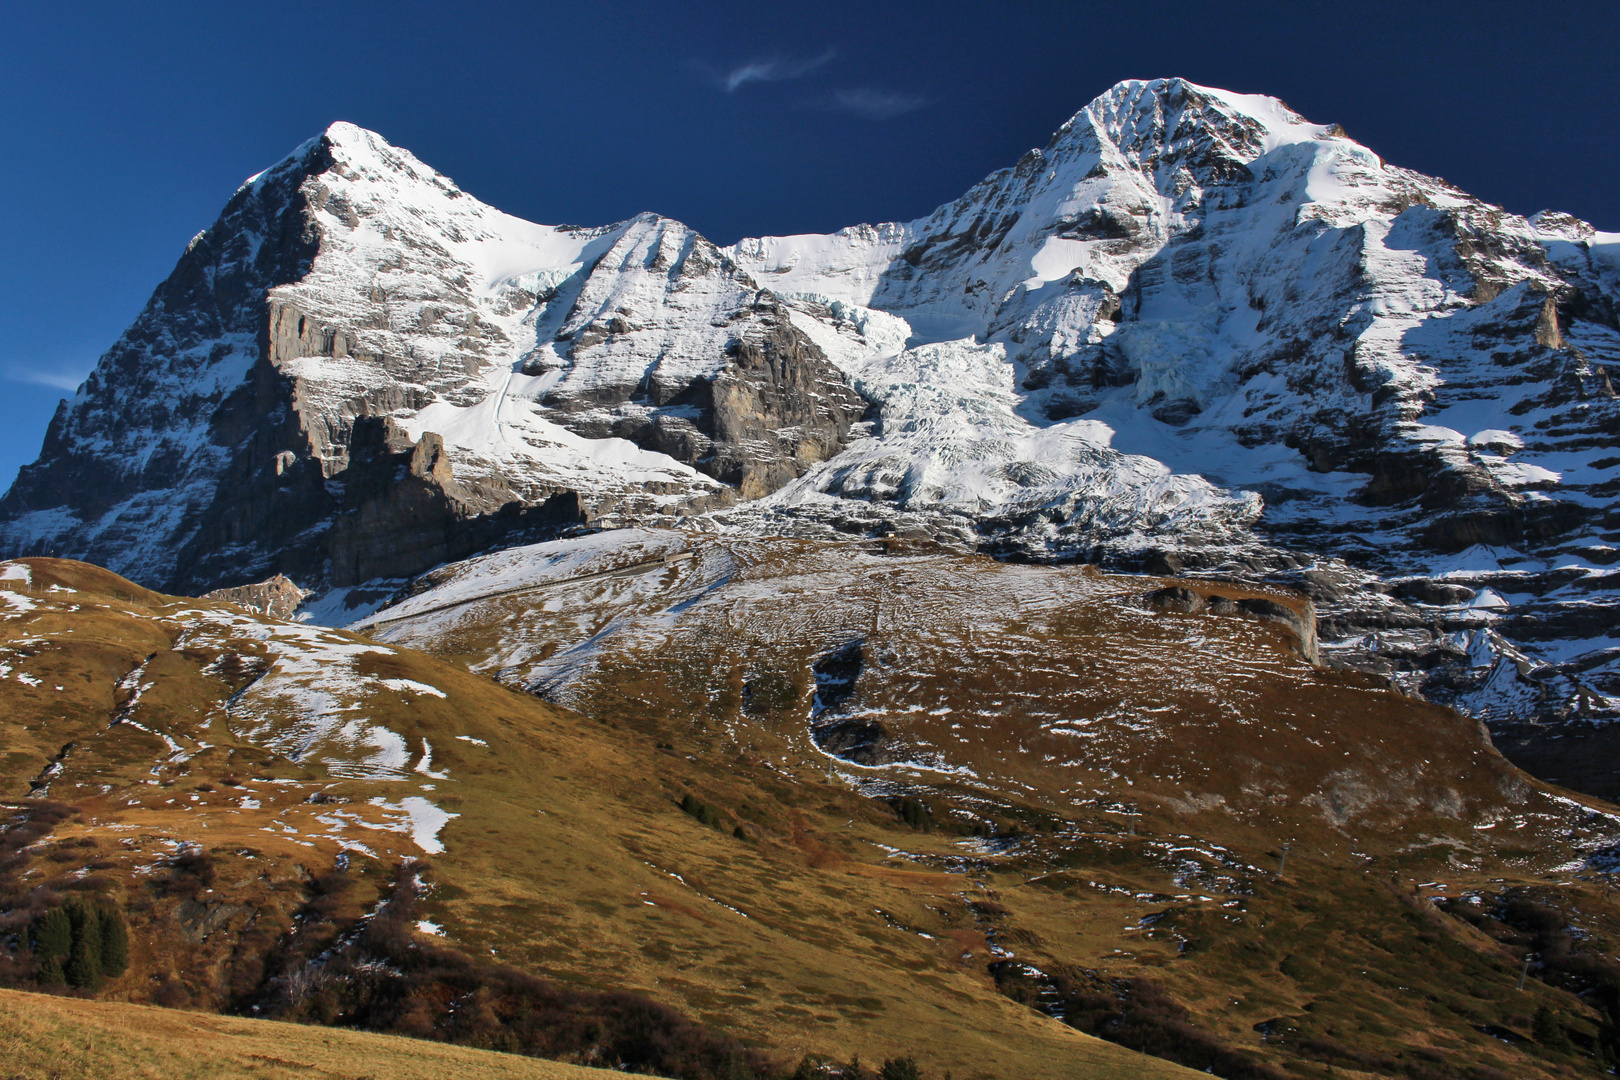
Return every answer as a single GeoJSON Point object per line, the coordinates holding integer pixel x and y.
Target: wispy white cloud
{"type": "Point", "coordinates": [60, 380]}
{"type": "Point", "coordinates": [878, 104]}
{"type": "Point", "coordinates": [772, 69]}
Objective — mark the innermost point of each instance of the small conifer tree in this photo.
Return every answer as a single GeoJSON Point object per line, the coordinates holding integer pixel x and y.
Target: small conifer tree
{"type": "Point", "coordinates": [1547, 1031]}
{"type": "Point", "coordinates": [50, 972]}
{"type": "Point", "coordinates": [53, 934]}
{"type": "Point", "coordinates": [900, 1068]}
{"type": "Point", "coordinates": [914, 812]}
{"type": "Point", "coordinates": [85, 918]}
{"type": "Point", "coordinates": [84, 966]}
{"type": "Point", "coordinates": [701, 810]}
{"type": "Point", "coordinates": [114, 943]}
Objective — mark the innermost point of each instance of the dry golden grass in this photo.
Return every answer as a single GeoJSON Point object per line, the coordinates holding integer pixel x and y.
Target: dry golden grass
{"type": "Point", "coordinates": [54, 1038]}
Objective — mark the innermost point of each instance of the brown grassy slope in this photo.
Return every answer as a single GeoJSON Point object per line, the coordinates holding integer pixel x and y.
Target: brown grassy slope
{"type": "Point", "coordinates": [568, 855]}
{"type": "Point", "coordinates": [1052, 681]}
{"type": "Point", "coordinates": [43, 1036]}
{"type": "Point", "coordinates": [1139, 772]}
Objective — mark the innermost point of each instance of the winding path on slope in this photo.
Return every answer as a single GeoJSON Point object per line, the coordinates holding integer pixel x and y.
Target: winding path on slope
{"type": "Point", "coordinates": [374, 623]}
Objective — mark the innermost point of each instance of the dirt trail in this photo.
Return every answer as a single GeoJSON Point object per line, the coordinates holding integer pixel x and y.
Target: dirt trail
{"type": "Point", "coordinates": [373, 623]}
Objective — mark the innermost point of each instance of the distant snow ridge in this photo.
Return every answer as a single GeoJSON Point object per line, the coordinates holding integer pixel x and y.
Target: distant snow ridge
{"type": "Point", "coordinates": [1195, 333]}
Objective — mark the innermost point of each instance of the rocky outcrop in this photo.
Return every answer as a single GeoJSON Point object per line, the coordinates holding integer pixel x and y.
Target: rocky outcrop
{"type": "Point", "coordinates": [403, 510]}
{"type": "Point", "coordinates": [838, 726]}
{"type": "Point", "coordinates": [277, 597]}
{"type": "Point", "coordinates": [1297, 617]}
{"type": "Point", "coordinates": [129, 463]}
{"type": "Point", "coordinates": [669, 345]}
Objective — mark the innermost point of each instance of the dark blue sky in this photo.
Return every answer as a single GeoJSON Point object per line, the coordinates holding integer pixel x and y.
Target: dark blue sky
{"type": "Point", "coordinates": [126, 127]}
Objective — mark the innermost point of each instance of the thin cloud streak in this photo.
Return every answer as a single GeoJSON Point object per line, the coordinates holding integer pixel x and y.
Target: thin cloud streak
{"type": "Point", "coordinates": [773, 69]}
{"type": "Point", "coordinates": [59, 380]}
{"type": "Point", "coordinates": [878, 104]}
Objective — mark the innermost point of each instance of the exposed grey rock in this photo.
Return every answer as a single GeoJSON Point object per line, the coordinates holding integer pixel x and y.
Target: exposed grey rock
{"type": "Point", "coordinates": [402, 508]}
{"type": "Point", "coordinates": [1176, 598]}
{"type": "Point", "coordinates": [1303, 624]}
{"type": "Point", "coordinates": [277, 597]}
{"type": "Point", "coordinates": [197, 921]}
{"type": "Point", "coordinates": [1186, 600]}
{"type": "Point", "coordinates": [863, 741]}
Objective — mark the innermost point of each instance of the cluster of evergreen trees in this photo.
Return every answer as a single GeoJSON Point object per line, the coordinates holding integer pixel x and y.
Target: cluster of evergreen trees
{"type": "Point", "coordinates": [914, 812]}
{"type": "Point", "coordinates": [818, 1068]}
{"type": "Point", "coordinates": [705, 813]}
{"type": "Point", "coordinates": [79, 944]}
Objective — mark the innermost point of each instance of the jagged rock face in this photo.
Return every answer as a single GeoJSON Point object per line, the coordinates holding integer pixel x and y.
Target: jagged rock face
{"type": "Point", "coordinates": [555, 376]}
{"type": "Point", "coordinates": [667, 344]}
{"type": "Point", "coordinates": [131, 461]}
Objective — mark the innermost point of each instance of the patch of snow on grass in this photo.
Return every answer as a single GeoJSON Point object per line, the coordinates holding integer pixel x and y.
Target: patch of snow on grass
{"type": "Point", "coordinates": [403, 685]}
{"type": "Point", "coordinates": [299, 706]}
{"type": "Point", "coordinates": [425, 766]}
{"type": "Point", "coordinates": [423, 821]}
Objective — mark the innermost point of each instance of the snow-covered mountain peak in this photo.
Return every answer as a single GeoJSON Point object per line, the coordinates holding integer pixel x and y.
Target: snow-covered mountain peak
{"type": "Point", "coordinates": [1150, 117]}
{"type": "Point", "coordinates": [356, 147]}
{"type": "Point", "coordinates": [364, 347]}
{"type": "Point", "coordinates": [342, 144]}
{"type": "Point", "coordinates": [366, 193]}
{"type": "Point", "coordinates": [1142, 164]}
{"type": "Point", "coordinates": [342, 133]}
{"type": "Point", "coordinates": [1212, 282]}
